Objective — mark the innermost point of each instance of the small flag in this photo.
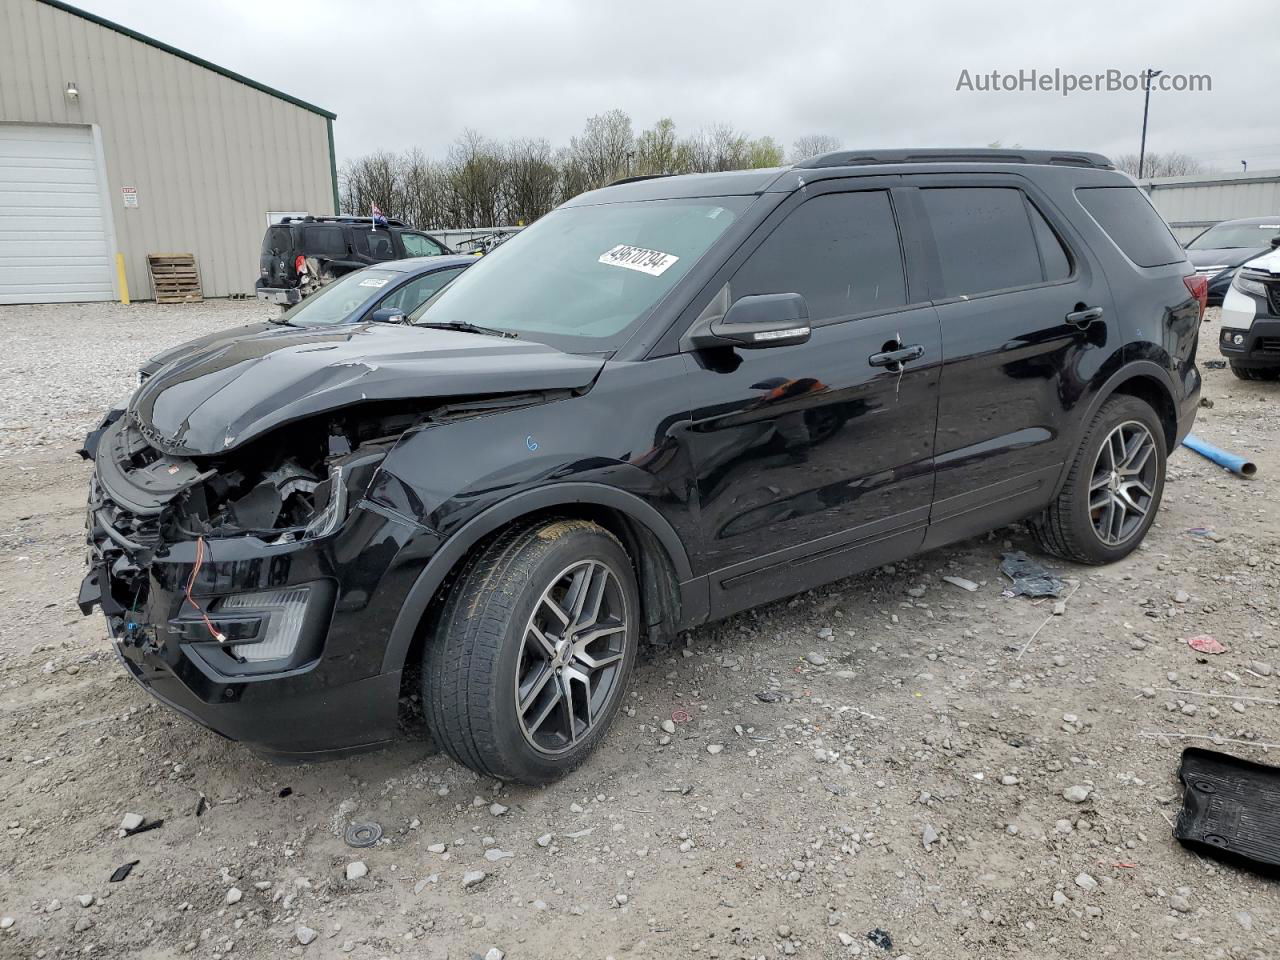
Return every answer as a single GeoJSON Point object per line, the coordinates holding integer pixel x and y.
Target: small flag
{"type": "Point", "coordinates": [378, 218]}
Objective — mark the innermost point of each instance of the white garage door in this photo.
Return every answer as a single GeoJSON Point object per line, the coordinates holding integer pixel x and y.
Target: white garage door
{"type": "Point", "coordinates": [53, 236]}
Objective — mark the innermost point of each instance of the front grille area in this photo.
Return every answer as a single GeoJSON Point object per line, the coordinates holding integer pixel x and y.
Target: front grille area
{"type": "Point", "coordinates": [1273, 296]}
{"type": "Point", "coordinates": [1268, 344]}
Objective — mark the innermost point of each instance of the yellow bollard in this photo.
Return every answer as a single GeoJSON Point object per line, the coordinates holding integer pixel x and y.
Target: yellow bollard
{"type": "Point", "coordinates": [124, 281]}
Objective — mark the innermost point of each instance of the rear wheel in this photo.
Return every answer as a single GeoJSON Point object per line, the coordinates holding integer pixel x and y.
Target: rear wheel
{"type": "Point", "coordinates": [534, 649]}
{"type": "Point", "coordinates": [1113, 491]}
{"type": "Point", "coordinates": [1256, 373]}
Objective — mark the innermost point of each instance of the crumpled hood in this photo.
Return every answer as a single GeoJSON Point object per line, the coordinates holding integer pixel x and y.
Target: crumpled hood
{"type": "Point", "coordinates": [215, 398]}
{"type": "Point", "coordinates": [203, 343]}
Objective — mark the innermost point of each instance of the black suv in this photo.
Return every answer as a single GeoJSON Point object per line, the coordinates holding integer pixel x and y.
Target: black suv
{"type": "Point", "coordinates": [665, 402]}
{"type": "Point", "coordinates": [301, 254]}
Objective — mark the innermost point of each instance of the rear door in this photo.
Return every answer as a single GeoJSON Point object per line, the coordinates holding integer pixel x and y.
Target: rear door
{"type": "Point", "coordinates": [1027, 322]}
{"type": "Point", "coordinates": [814, 461]}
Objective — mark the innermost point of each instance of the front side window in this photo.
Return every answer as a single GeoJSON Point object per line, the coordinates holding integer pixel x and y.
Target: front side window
{"type": "Point", "coordinates": [420, 245]}
{"type": "Point", "coordinates": [415, 293]}
{"type": "Point", "coordinates": [339, 301]}
{"type": "Point", "coordinates": [840, 251]}
{"type": "Point", "coordinates": [984, 238]}
{"type": "Point", "coordinates": [374, 244]}
{"type": "Point", "coordinates": [582, 278]}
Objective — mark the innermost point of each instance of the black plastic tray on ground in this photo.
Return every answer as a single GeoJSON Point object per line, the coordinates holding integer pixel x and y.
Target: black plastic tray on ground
{"type": "Point", "coordinates": [1230, 808]}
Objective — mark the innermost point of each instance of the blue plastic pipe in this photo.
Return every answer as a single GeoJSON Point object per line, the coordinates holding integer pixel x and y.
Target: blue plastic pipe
{"type": "Point", "coordinates": [1237, 465]}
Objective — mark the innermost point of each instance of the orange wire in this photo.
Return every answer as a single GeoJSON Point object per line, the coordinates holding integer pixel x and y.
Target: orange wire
{"type": "Point", "coordinates": [191, 582]}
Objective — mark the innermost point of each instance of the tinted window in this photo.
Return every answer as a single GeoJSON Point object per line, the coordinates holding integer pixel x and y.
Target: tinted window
{"type": "Point", "coordinates": [984, 239]}
{"type": "Point", "coordinates": [375, 244]}
{"type": "Point", "coordinates": [414, 293]}
{"type": "Point", "coordinates": [839, 251]}
{"type": "Point", "coordinates": [324, 242]}
{"type": "Point", "coordinates": [1057, 265]}
{"type": "Point", "coordinates": [276, 242]}
{"type": "Point", "coordinates": [1127, 216]}
{"type": "Point", "coordinates": [419, 245]}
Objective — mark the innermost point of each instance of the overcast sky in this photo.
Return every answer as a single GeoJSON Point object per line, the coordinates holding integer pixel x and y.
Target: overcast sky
{"type": "Point", "coordinates": [401, 74]}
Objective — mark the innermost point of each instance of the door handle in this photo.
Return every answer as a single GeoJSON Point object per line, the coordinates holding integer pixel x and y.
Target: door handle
{"type": "Point", "coordinates": [889, 357]}
{"type": "Point", "coordinates": [1082, 318]}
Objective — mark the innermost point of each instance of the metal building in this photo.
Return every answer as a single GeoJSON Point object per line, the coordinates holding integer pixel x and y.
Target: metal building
{"type": "Point", "coordinates": [111, 141]}
{"type": "Point", "coordinates": [1190, 204]}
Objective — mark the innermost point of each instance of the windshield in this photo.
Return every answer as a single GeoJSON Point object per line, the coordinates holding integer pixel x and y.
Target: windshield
{"type": "Point", "coordinates": [1224, 235]}
{"type": "Point", "coordinates": [337, 301]}
{"type": "Point", "coordinates": [581, 278]}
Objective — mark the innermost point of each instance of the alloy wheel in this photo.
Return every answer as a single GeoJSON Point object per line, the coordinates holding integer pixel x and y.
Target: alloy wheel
{"type": "Point", "coordinates": [1123, 483]}
{"type": "Point", "coordinates": [571, 656]}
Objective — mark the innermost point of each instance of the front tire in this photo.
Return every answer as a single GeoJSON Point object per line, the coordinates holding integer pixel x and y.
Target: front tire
{"type": "Point", "coordinates": [1256, 373]}
{"type": "Point", "coordinates": [533, 651]}
{"type": "Point", "coordinates": [1113, 491]}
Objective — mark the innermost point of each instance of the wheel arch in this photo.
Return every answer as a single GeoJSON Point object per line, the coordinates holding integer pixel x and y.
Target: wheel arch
{"type": "Point", "coordinates": [670, 597]}
{"type": "Point", "coordinates": [1143, 379]}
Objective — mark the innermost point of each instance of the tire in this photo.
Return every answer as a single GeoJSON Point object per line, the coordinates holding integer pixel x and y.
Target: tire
{"type": "Point", "coordinates": [1069, 528]}
{"type": "Point", "coordinates": [499, 639]}
{"type": "Point", "coordinates": [1256, 373]}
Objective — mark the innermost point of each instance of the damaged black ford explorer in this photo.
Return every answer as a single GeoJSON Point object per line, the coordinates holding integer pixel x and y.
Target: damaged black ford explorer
{"type": "Point", "coordinates": [667, 401]}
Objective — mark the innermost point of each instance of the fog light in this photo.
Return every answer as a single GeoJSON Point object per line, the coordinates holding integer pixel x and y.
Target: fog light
{"type": "Point", "coordinates": [1238, 339]}
{"type": "Point", "coordinates": [282, 610]}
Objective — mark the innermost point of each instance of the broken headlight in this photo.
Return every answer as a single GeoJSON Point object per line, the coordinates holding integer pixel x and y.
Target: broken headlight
{"type": "Point", "coordinates": [329, 517]}
{"type": "Point", "coordinates": [281, 624]}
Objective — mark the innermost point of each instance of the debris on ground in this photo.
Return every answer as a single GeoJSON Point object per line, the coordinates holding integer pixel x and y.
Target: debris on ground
{"type": "Point", "coordinates": [122, 871]}
{"type": "Point", "coordinates": [1204, 643]}
{"type": "Point", "coordinates": [1030, 577]}
{"type": "Point", "coordinates": [962, 583]}
{"type": "Point", "coordinates": [1230, 808]}
{"type": "Point", "coordinates": [363, 834]}
{"type": "Point", "coordinates": [881, 938]}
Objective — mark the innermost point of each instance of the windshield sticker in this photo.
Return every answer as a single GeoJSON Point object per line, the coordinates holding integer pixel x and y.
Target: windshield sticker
{"type": "Point", "coordinates": [375, 281]}
{"type": "Point", "coordinates": [652, 262]}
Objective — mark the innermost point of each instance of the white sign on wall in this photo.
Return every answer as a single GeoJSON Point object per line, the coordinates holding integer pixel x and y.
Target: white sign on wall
{"type": "Point", "coordinates": [129, 196]}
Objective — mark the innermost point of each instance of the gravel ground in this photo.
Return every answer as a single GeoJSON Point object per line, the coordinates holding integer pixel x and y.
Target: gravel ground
{"type": "Point", "coordinates": [889, 766]}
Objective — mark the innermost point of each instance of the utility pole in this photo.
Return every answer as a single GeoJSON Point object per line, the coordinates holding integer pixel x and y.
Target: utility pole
{"type": "Point", "coordinates": [1147, 76]}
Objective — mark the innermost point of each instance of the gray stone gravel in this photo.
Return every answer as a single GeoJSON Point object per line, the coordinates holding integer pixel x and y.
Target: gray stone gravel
{"type": "Point", "coordinates": [65, 364]}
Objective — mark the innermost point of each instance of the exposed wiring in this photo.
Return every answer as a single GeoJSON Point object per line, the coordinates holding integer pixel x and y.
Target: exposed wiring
{"type": "Point", "coordinates": [201, 549]}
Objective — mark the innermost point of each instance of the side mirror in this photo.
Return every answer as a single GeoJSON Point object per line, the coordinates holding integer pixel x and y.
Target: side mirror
{"type": "Point", "coordinates": [1275, 243]}
{"type": "Point", "coordinates": [754, 323]}
{"type": "Point", "coordinates": [387, 315]}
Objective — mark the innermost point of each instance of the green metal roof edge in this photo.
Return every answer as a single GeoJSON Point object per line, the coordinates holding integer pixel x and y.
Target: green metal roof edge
{"type": "Point", "coordinates": [189, 57]}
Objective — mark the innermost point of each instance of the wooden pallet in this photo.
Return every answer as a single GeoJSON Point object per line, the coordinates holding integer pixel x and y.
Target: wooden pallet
{"type": "Point", "coordinates": [174, 278]}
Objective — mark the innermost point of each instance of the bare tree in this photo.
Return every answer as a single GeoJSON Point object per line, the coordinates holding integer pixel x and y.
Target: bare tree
{"type": "Point", "coordinates": [813, 145]}
{"type": "Point", "coordinates": [656, 150]}
{"type": "Point", "coordinates": [1160, 164]}
{"type": "Point", "coordinates": [605, 148]}
{"type": "Point", "coordinates": [531, 180]}
{"type": "Point", "coordinates": [764, 152]}
{"type": "Point", "coordinates": [474, 172]}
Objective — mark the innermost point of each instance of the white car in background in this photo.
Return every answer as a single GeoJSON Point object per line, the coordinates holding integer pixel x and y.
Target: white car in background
{"type": "Point", "coordinates": [1250, 337]}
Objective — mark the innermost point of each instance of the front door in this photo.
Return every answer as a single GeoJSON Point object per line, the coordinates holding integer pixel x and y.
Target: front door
{"type": "Point", "coordinates": [814, 461]}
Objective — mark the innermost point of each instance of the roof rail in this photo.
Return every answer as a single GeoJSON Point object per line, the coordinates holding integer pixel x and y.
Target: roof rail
{"type": "Point", "coordinates": [637, 179]}
{"type": "Point", "coordinates": [858, 158]}
{"type": "Point", "coordinates": [391, 221]}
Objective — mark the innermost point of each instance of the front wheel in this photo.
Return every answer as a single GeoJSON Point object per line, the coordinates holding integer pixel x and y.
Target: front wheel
{"type": "Point", "coordinates": [534, 648]}
{"type": "Point", "coordinates": [1113, 491]}
{"type": "Point", "coordinates": [1256, 373]}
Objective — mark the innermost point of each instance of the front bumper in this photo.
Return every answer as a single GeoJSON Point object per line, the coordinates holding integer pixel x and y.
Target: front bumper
{"type": "Point", "coordinates": [332, 695]}
{"type": "Point", "coordinates": [1259, 344]}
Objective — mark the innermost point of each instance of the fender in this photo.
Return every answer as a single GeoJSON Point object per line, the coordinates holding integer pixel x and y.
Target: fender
{"type": "Point", "coordinates": [560, 494]}
{"type": "Point", "coordinates": [1130, 371]}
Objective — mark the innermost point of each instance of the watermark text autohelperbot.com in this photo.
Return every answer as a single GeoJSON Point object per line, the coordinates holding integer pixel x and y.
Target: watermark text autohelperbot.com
{"type": "Point", "coordinates": [1031, 80]}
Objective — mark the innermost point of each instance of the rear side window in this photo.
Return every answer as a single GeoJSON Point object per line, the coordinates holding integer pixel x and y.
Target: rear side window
{"type": "Point", "coordinates": [1128, 218]}
{"type": "Point", "coordinates": [324, 242]}
{"type": "Point", "coordinates": [840, 251]}
{"type": "Point", "coordinates": [985, 239]}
